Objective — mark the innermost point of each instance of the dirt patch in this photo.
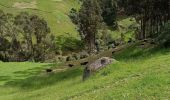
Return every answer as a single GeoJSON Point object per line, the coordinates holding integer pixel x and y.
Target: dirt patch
{"type": "Point", "coordinates": [25, 5]}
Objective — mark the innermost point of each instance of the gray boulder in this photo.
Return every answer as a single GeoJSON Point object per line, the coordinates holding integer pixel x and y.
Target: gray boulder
{"type": "Point", "coordinates": [100, 63]}
{"type": "Point", "coordinates": [97, 65]}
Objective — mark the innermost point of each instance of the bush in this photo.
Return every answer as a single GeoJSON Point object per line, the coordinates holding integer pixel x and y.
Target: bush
{"type": "Point", "coordinates": [83, 55]}
{"type": "Point", "coordinates": [164, 38]}
{"type": "Point", "coordinates": [59, 52]}
{"type": "Point", "coordinates": [70, 58]}
{"type": "Point", "coordinates": [62, 59]}
{"type": "Point", "coordinates": [24, 37]}
{"type": "Point", "coordinates": [76, 56]}
{"type": "Point", "coordinates": [68, 43]}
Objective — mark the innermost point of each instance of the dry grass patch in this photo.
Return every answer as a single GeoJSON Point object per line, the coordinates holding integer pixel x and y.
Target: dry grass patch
{"type": "Point", "coordinates": [25, 5]}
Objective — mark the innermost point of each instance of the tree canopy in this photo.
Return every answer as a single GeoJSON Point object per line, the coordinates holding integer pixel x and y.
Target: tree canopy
{"type": "Point", "coordinates": [151, 14]}
{"type": "Point", "coordinates": [23, 37]}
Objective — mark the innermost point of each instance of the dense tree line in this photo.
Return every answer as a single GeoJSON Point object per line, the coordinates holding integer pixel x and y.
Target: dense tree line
{"type": "Point", "coordinates": [24, 37]}
{"type": "Point", "coordinates": [27, 37]}
{"type": "Point", "coordinates": [151, 14]}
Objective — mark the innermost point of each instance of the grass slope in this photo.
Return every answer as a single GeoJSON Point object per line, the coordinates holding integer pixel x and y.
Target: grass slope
{"type": "Point", "coordinates": [139, 74]}
{"type": "Point", "coordinates": [54, 11]}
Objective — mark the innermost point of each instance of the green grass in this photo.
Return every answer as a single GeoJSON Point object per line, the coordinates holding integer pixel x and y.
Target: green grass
{"type": "Point", "coordinates": [124, 25]}
{"type": "Point", "coordinates": [54, 11]}
{"type": "Point", "coordinates": [139, 74]}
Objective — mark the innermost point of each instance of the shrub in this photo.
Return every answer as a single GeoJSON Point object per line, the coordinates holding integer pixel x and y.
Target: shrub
{"type": "Point", "coordinates": [70, 58]}
{"type": "Point", "coordinates": [164, 38]}
{"type": "Point", "coordinates": [83, 55]}
{"type": "Point", "coordinates": [76, 56]}
{"type": "Point", "coordinates": [62, 59]}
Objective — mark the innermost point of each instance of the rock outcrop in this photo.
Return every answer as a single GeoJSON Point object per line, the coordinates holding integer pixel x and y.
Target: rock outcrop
{"type": "Point", "coordinates": [97, 65]}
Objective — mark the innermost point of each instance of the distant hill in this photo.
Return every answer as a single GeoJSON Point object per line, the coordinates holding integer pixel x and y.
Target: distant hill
{"type": "Point", "coordinates": [54, 11]}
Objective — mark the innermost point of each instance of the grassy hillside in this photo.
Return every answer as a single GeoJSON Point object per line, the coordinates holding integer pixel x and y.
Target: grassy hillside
{"type": "Point", "coordinates": [141, 73]}
{"type": "Point", "coordinates": [126, 26]}
{"type": "Point", "coordinates": [54, 11]}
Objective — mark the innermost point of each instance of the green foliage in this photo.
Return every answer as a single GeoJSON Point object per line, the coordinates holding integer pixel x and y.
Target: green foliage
{"type": "Point", "coordinates": [73, 57]}
{"type": "Point", "coordinates": [74, 16]}
{"type": "Point", "coordinates": [91, 18]}
{"type": "Point", "coordinates": [76, 56]}
{"type": "Point", "coordinates": [70, 58]}
{"type": "Point", "coordinates": [88, 21]}
{"type": "Point", "coordinates": [83, 55]}
{"type": "Point", "coordinates": [9, 36]}
{"type": "Point", "coordinates": [25, 37]}
{"type": "Point", "coordinates": [109, 12]}
{"type": "Point", "coordinates": [164, 37]}
{"type": "Point", "coordinates": [68, 43]}
{"type": "Point", "coordinates": [151, 14]}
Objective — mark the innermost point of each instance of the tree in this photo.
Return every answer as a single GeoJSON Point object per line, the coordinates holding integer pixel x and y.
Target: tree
{"type": "Point", "coordinates": [9, 36]}
{"type": "Point", "coordinates": [23, 21]}
{"type": "Point", "coordinates": [94, 16]}
{"type": "Point", "coordinates": [164, 38]}
{"type": "Point", "coordinates": [151, 14]}
{"type": "Point", "coordinates": [109, 12]}
{"type": "Point", "coordinates": [24, 37]}
{"type": "Point", "coordinates": [35, 31]}
{"type": "Point", "coordinates": [88, 21]}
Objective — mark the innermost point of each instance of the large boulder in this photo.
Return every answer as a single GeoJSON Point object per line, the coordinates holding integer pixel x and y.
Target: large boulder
{"type": "Point", "coordinates": [97, 65]}
{"type": "Point", "coordinates": [100, 63]}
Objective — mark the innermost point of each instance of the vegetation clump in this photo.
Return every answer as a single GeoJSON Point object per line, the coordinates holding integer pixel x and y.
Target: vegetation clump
{"type": "Point", "coordinates": [24, 37]}
{"type": "Point", "coordinates": [164, 37]}
{"type": "Point", "coordinates": [83, 55]}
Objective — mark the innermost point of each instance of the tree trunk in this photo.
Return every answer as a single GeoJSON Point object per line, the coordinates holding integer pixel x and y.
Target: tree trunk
{"type": "Point", "coordinates": [86, 73]}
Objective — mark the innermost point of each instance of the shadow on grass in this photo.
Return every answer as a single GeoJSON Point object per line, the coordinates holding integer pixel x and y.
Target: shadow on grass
{"type": "Point", "coordinates": [17, 75]}
{"type": "Point", "coordinates": [4, 78]}
{"type": "Point", "coordinates": [42, 79]}
{"type": "Point", "coordinates": [28, 72]}
{"type": "Point", "coordinates": [135, 52]}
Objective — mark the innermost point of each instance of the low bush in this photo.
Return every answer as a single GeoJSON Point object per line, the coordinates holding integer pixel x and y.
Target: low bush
{"type": "Point", "coordinates": [83, 55]}
{"type": "Point", "coordinates": [164, 38]}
